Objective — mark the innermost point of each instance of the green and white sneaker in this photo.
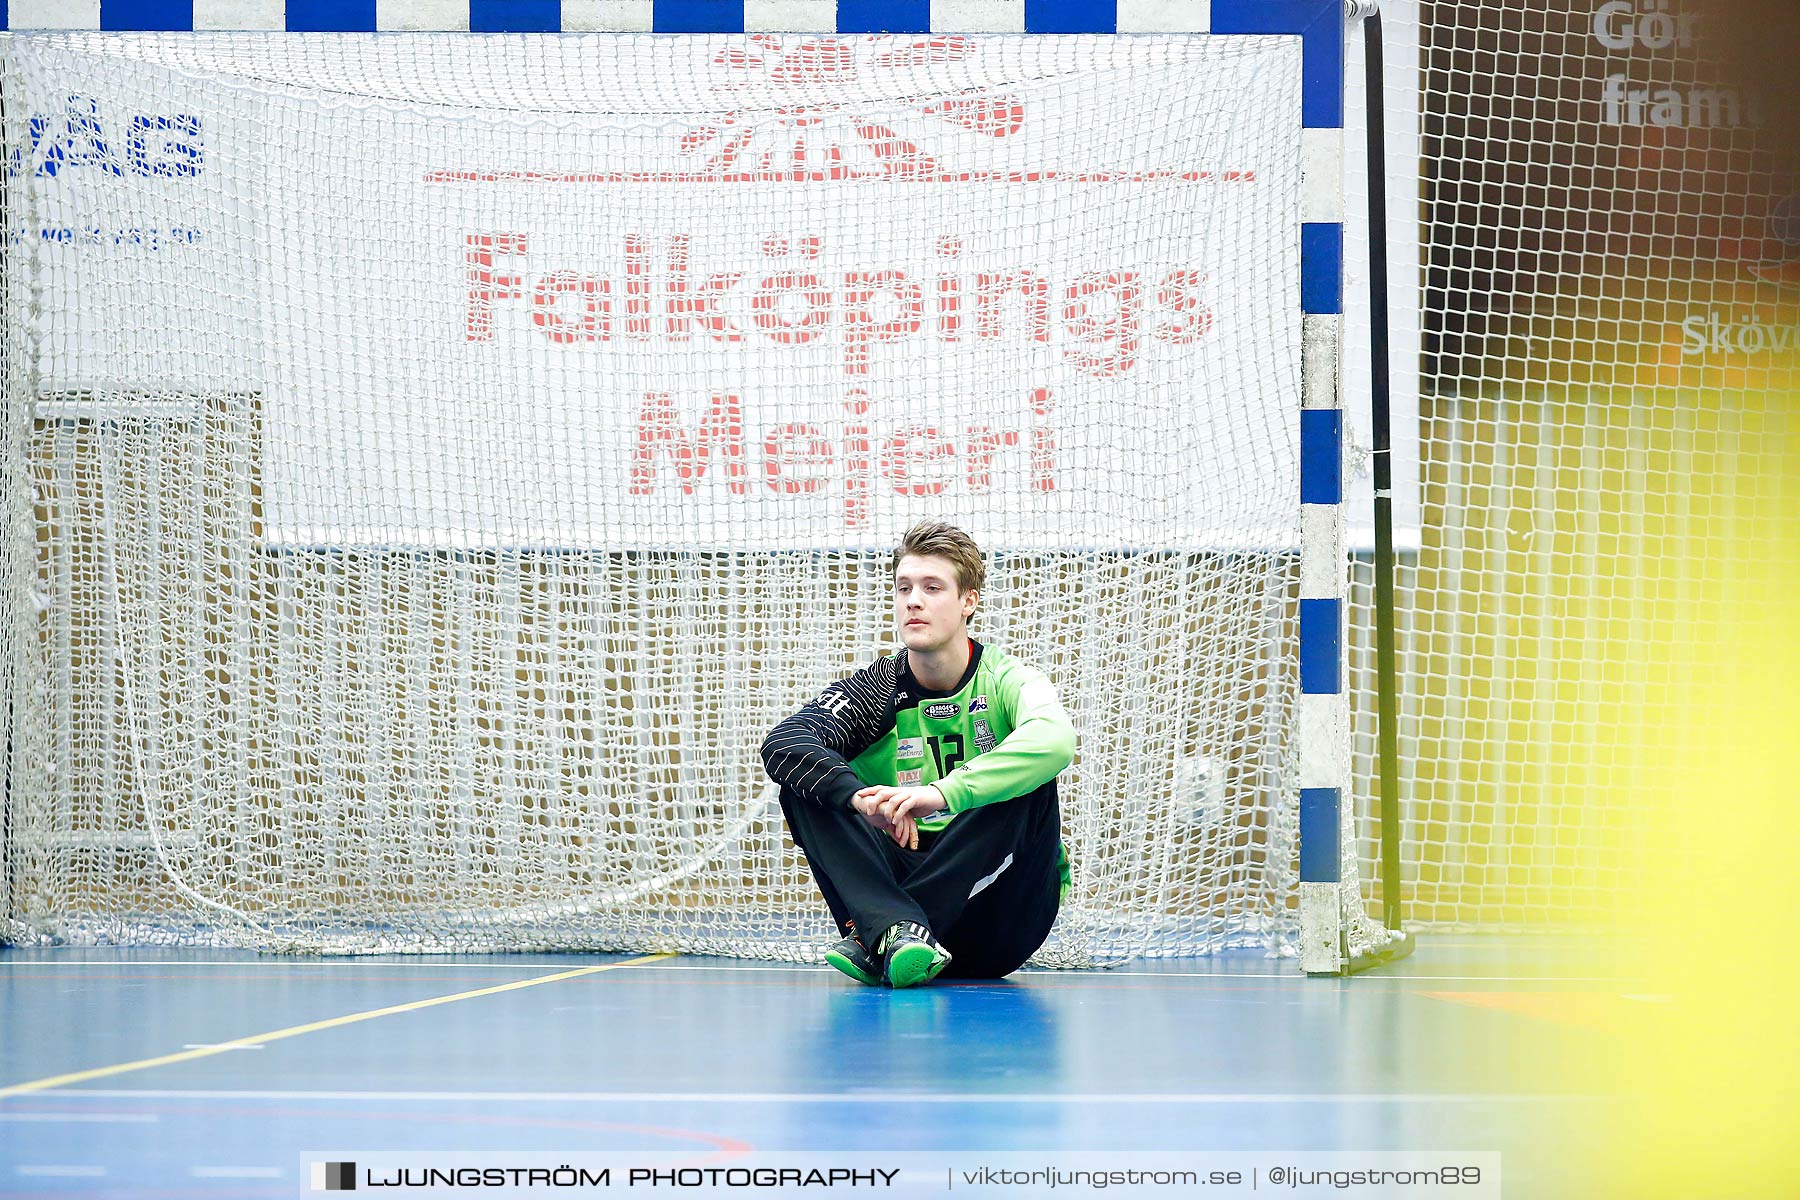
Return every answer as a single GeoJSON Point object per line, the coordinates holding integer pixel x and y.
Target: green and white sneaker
{"type": "Point", "coordinates": [910, 955]}
{"type": "Point", "coordinates": [849, 956]}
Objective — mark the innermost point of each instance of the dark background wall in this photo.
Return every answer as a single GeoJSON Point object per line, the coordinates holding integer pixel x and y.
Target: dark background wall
{"type": "Point", "coordinates": [1580, 190]}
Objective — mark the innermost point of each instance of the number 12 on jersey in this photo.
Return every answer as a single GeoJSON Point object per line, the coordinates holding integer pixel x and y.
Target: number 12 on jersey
{"type": "Point", "coordinates": [946, 762]}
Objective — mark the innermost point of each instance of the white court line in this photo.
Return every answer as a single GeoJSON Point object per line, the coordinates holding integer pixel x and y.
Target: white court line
{"type": "Point", "coordinates": [220, 1046]}
{"type": "Point", "coordinates": [235, 1172]}
{"type": "Point", "coordinates": [810, 969]}
{"type": "Point", "coordinates": [85, 1118]}
{"type": "Point", "coordinates": [71, 1172]}
{"type": "Point", "coordinates": [858, 1097]}
{"type": "Point", "coordinates": [1406, 979]}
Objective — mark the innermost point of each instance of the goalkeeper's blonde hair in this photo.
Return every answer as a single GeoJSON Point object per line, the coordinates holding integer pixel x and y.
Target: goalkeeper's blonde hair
{"type": "Point", "coordinates": [944, 540]}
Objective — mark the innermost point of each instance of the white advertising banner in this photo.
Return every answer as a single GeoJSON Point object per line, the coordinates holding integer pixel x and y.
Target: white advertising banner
{"type": "Point", "coordinates": [707, 292]}
{"type": "Point", "coordinates": [133, 224]}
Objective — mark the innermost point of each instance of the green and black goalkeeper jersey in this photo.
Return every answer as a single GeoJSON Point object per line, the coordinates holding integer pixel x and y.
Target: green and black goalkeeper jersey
{"type": "Point", "coordinates": [999, 734]}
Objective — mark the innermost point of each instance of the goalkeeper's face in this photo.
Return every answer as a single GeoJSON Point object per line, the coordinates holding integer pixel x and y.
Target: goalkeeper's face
{"type": "Point", "coordinates": [931, 610]}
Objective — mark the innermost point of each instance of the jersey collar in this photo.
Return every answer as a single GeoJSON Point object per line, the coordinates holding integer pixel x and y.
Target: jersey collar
{"type": "Point", "coordinates": [909, 682]}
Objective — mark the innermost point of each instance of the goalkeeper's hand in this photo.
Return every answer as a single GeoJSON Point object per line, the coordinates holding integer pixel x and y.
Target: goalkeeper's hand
{"type": "Point", "coordinates": [896, 810]}
{"type": "Point", "coordinates": [914, 802]}
{"type": "Point", "coordinates": [870, 808]}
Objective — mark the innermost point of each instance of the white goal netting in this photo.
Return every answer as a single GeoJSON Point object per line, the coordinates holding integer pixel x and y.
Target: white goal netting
{"type": "Point", "coordinates": [1609, 309]}
{"type": "Point", "coordinates": [433, 463]}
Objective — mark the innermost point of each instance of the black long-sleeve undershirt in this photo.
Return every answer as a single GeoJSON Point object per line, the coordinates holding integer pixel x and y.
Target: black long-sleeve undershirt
{"type": "Point", "coordinates": [810, 751]}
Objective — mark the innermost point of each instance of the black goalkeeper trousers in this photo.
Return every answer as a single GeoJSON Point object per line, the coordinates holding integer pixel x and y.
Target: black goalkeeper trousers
{"type": "Point", "coordinates": [986, 885]}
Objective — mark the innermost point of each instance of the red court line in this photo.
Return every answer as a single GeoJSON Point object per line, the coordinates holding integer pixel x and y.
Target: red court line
{"type": "Point", "coordinates": [1586, 1010]}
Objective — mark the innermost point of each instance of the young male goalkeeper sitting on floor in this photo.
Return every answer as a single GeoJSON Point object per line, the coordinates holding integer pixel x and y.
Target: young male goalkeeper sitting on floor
{"type": "Point", "coordinates": [922, 789]}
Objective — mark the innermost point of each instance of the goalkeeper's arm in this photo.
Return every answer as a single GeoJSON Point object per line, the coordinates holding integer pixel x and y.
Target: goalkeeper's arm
{"type": "Point", "coordinates": [1041, 744]}
{"type": "Point", "coordinates": [810, 750]}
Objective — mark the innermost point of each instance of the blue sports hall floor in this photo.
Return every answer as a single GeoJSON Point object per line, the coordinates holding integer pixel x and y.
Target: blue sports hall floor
{"type": "Point", "coordinates": [210, 1073]}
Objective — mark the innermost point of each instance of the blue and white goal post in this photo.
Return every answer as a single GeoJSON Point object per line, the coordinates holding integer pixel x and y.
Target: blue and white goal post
{"type": "Point", "coordinates": [1334, 927]}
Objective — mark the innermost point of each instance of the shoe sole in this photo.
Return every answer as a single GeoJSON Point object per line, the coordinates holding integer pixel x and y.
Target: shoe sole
{"type": "Point", "coordinates": [912, 965]}
{"type": "Point", "coordinates": [847, 965]}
